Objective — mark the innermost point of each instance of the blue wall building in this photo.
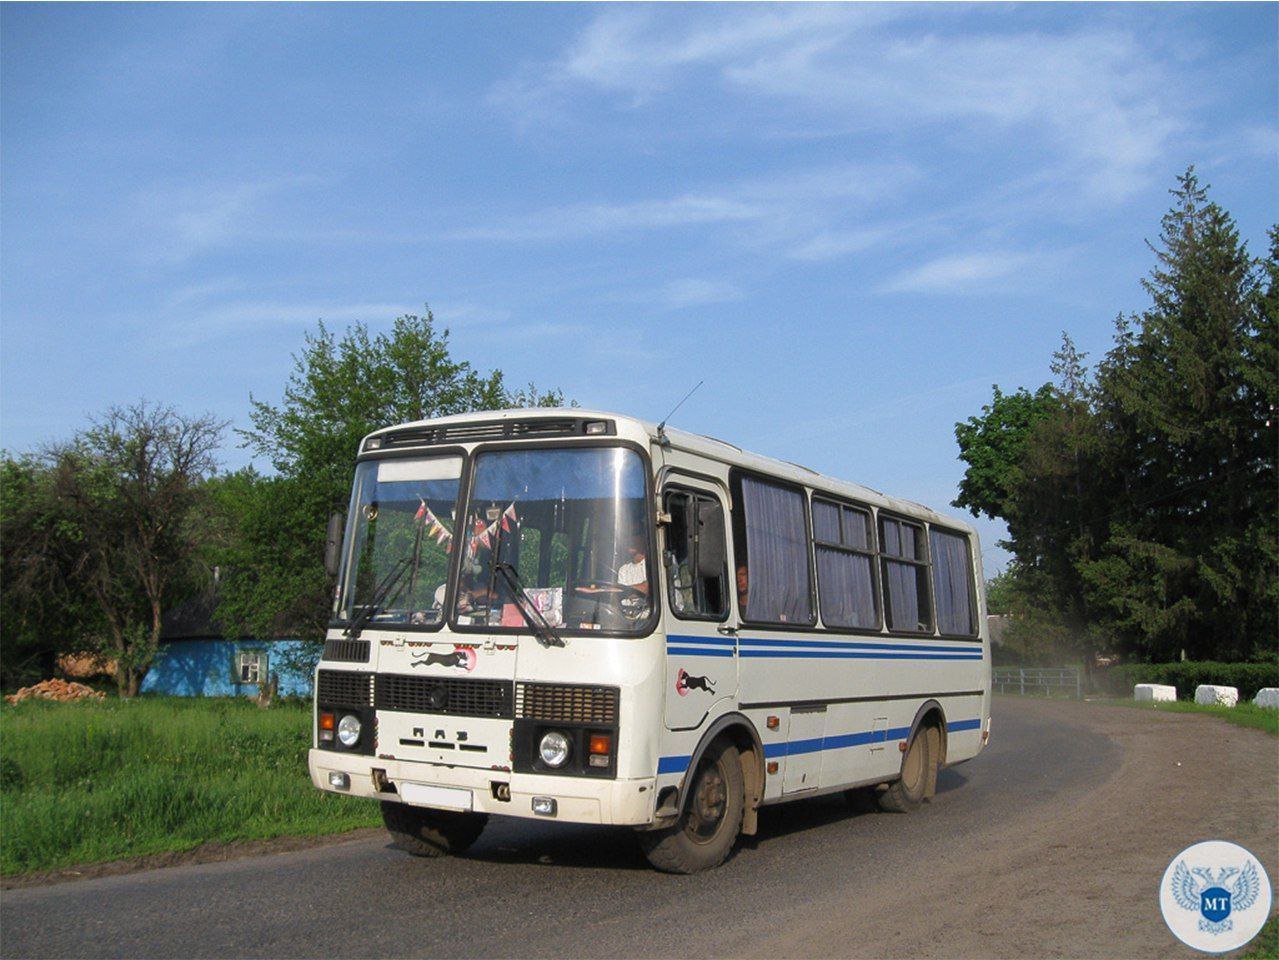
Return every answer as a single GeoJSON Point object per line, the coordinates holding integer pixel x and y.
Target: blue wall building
{"type": "Point", "coordinates": [195, 660]}
{"type": "Point", "coordinates": [214, 667]}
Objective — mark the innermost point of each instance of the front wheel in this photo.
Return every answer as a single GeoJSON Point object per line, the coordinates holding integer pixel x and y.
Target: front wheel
{"type": "Point", "coordinates": [908, 791]}
{"type": "Point", "coordinates": [707, 829]}
{"type": "Point", "coordinates": [424, 832]}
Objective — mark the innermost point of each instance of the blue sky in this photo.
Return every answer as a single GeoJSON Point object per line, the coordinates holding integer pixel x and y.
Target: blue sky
{"type": "Point", "coordinates": [849, 220]}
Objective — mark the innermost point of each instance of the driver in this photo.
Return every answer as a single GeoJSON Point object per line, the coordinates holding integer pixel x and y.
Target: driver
{"type": "Point", "coordinates": [635, 573]}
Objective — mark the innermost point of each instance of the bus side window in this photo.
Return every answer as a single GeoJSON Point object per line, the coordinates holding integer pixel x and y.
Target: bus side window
{"type": "Point", "coordinates": [695, 561]}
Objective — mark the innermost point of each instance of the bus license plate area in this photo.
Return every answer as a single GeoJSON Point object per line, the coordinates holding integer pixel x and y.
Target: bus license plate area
{"type": "Point", "coordinates": [428, 795]}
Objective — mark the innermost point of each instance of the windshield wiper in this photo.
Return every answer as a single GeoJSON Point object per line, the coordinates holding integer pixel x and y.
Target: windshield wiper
{"type": "Point", "coordinates": [402, 566]}
{"type": "Point", "coordinates": [528, 609]}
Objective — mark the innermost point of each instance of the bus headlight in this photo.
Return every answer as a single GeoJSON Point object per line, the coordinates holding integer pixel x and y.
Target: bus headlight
{"type": "Point", "coordinates": [349, 730]}
{"type": "Point", "coordinates": [554, 749]}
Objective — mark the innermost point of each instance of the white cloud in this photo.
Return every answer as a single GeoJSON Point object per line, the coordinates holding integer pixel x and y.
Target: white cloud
{"type": "Point", "coordinates": [171, 224]}
{"type": "Point", "coordinates": [962, 273]}
{"type": "Point", "coordinates": [786, 207]}
{"type": "Point", "coordinates": [1097, 102]}
{"type": "Point", "coordinates": [694, 293]}
{"type": "Point", "coordinates": [584, 220]}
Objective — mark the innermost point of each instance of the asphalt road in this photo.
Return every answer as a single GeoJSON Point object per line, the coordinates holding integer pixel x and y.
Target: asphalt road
{"type": "Point", "coordinates": [818, 879]}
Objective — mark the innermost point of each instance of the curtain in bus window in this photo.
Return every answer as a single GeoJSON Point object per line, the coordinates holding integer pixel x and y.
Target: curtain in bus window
{"type": "Point", "coordinates": [825, 522]}
{"type": "Point", "coordinates": [777, 554]}
{"type": "Point", "coordinates": [903, 596]}
{"type": "Point", "coordinates": [901, 580]}
{"type": "Point", "coordinates": [952, 583]}
{"type": "Point", "coordinates": [844, 581]}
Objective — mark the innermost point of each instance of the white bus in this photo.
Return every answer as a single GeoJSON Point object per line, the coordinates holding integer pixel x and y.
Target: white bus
{"type": "Point", "coordinates": [584, 617]}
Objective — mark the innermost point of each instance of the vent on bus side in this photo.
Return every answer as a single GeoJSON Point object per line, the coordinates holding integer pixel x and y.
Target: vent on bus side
{"type": "Point", "coordinates": [566, 703]}
{"type": "Point", "coordinates": [532, 428]}
{"type": "Point", "coordinates": [346, 651]}
{"type": "Point", "coordinates": [344, 688]}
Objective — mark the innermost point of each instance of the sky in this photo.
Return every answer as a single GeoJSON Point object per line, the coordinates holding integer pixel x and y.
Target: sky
{"type": "Point", "coordinates": [849, 221]}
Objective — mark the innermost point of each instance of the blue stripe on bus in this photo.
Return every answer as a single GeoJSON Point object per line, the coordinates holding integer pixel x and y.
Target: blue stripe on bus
{"type": "Point", "coordinates": [857, 645]}
{"type": "Point", "coordinates": [818, 649]}
{"type": "Point", "coordinates": [857, 655]}
{"type": "Point", "coordinates": [796, 748]}
{"type": "Point", "coordinates": [700, 651]}
{"type": "Point", "coordinates": [688, 638]}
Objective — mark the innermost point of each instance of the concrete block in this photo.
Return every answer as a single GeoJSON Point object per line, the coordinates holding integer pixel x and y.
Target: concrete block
{"type": "Point", "coordinates": [1267, 697]}
{"type": "Point", "coordinates": [1220, 696]}
{"type": "Point", "coordinates": [1154, 691]}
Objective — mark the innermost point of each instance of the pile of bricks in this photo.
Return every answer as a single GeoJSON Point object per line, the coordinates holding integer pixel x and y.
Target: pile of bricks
{"type": "Point", "coordinates": [60, 690]}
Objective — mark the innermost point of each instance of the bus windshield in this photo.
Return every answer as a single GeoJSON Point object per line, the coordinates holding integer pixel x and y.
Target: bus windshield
{"type": "Point", "coordinates": [400, 534]}
{"type": "Point", "coordinates": [571, 523]}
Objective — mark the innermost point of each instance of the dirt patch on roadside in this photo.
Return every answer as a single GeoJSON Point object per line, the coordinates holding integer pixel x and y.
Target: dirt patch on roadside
{"type": "Point", "coordinates": [204, 853]}
{"type": "Point", "coordinates": [1085, 882]}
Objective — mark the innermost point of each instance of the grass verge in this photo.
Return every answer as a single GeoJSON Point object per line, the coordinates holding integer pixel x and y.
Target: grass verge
{"type": "Point", "coordinates": [1266, 944]}
{"type": "Point", "coordinates": [1243, 715]}
{"type": "Point", "coordinates": [88, 782]}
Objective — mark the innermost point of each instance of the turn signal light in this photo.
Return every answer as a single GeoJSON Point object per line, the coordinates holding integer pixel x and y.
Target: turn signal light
{"type": "Point", "coordinates": [601, 743]}
{"type": "Point", "coordinates": [326, 727]}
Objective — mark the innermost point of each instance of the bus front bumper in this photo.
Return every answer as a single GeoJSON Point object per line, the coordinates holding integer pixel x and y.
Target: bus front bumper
{"type": "Point", "coordinates": [577, 799]}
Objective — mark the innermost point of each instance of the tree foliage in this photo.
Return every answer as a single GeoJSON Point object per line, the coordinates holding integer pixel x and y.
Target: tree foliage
{"type": "Point", "coordinates": [109, 522]}
{"type": "Point", "coordinates": [341, 389]}
{"type": "Point", "coordinates": [1142, 497]}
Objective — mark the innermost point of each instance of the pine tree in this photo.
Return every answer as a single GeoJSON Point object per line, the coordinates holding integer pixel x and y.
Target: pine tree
{"type": "Point", "coordinates": [1189, 558]}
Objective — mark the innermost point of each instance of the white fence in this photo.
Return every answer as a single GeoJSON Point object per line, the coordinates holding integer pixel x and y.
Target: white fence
{"type": "Point", "coordinates": [1040, 681]}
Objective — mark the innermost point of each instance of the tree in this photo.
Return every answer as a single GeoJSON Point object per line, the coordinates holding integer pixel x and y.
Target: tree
{"type": "Point", "coordinates": [114, 524]}
{"type": "Point", "coordinates": [1142, 500]}
{"type": "Point", "coordinates": [45, 611]}
{"type": "Point", "coordinates": [993, 445]}
{"type": "Point", "coordinates": [1191, 559]}
{"type": "Point", "coordinates": [340, 390]}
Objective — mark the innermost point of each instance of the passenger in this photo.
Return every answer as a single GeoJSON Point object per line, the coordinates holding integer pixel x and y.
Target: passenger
{"type": "Point", "coordinates": [743, 588]}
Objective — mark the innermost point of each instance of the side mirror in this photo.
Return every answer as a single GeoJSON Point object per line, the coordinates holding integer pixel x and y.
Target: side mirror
{"type": "Point", "coordinates": [710, 540]}
{"type": "Point", "coordinates": [333, 544]}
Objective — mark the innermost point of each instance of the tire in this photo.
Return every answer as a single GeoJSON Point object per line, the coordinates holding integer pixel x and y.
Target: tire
{"type": "Point", "coordinates": [707, 828]}
{"type": "Point", "coordinates": [908, 791]}
{"type": "Point", "coordinates": [431, 833]}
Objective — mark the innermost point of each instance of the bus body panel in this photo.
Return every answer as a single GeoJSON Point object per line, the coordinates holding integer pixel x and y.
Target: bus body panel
{"type": "Point", "coordinates": [830, 708]}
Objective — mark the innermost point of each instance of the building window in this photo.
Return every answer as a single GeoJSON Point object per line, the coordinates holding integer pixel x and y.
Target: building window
{"type": "Point", "coordinates": [953, 584]}
{"type": "Point", "coordinates": [773, 580]}
{"type": "Point", "coordinates": [905, 571]}
{"type": "Point", "coordinates": [845, 566]}
{"type": "Point", "coordinates": [251, 666]}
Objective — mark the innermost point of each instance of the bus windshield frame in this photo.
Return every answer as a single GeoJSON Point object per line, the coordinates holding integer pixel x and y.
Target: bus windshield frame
{"type": "Point", "coordinates": [574, 581]}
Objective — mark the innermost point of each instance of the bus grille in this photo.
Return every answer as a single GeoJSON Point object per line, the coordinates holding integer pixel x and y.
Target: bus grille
{"type": "Point", "coordinates": [444, 695]}
{"type": "Point", "coordinates": [566, 703]}
{"type": "Point", "coordinates": [346, 651]}
{"type": "Point", "coordinates": [344, 688]}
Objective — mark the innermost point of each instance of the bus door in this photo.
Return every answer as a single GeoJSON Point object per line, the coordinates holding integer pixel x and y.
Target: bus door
{"type": "Point", "coordinates": [701, 649]}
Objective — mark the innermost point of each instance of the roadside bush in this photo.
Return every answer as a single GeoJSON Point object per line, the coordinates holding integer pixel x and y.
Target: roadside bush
{"type": "Point", "coordinates": [1185, 676]}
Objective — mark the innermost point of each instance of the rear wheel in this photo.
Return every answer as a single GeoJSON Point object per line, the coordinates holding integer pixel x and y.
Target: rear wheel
{"type": "Point", "coordinates": [711, 820]}
{"type": "Point", "coordinates": [908, 791]}
{"type": "Point", "coordinates": [424, 832]}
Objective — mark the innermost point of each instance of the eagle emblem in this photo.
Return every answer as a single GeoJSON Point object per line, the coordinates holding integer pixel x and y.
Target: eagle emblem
{"type": "Point", "coordinates": [1215, 897]}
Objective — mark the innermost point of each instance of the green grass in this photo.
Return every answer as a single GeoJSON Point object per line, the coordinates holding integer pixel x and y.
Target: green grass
{"type": "Point", "coordinates": [93, 781]}
{"type": "Point", "coordinates": [1266, 945]}
{"type": "Point", "coordinates": [1243, 715]}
